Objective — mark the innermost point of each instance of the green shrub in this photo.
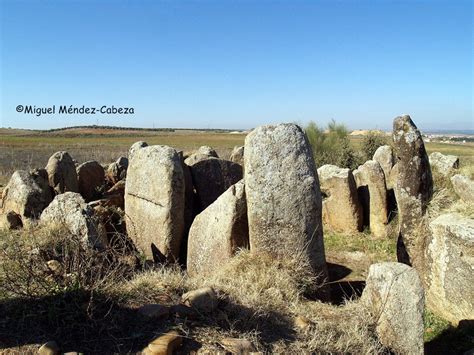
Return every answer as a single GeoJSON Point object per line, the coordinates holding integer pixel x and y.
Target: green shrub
{"type": "Point", "coordinates": [371, 142]}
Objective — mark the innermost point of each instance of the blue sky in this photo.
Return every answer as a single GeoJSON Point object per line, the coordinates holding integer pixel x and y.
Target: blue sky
{"type": "Point", "coordinates": [239, 64]}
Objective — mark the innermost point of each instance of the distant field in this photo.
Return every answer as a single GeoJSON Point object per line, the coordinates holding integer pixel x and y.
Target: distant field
{"type": "Point", "coordinates": [24, 149]}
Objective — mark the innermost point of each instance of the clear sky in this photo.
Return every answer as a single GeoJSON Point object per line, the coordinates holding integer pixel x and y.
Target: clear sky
{"type": "Point", "coordinates": [239, 64]}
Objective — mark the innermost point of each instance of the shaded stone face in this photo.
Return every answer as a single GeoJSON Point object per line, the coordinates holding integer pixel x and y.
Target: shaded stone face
{"type": "Point", "coordinates": [218, 232]}
{"type": "Point", "coordinates": [237, 155]}
{"type": "Point", "coordinates": [450, 275]}
{"type": "Point", "coordinates": [413, 190]}
{"type": "Point", "coordinates": [62, 173]}
{"type": "Point", "coordinates": [283, 197]}
{"type": "Point", "coordinates": [341, 208]}
{"type": "Point", "coordinates": [90, 177]}
{"type": "Point", "coordinates": [154, 202]}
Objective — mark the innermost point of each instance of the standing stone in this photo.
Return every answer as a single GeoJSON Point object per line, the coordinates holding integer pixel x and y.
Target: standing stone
{"type": "Point", "coordinates": [464, 187]}
{"type": "Point", "coordinates": [444, 164]}
{"type": "Point", "coordinates": [218, 232]}
{"type": "Point", "coordinates": [26, 194]}
{"type": "Point", "coordinates": [395, 296]}
{"type": "Point", "coordinates": [341, 207]}
{"type": "Point", "coordinates": [237, 155]}
{"type": "Point", "coordinates": [117, 170]}
{"type": "Point", "coordinates": [212, 177]}
{"type": "Point", "coordinates": [62, 173]}
{"type": "Point", "coordinates": [202, 153]}
{"type": "Point", "coordinates": [372, 176]}
{"type": "Point", "coordinates": [283, 196]}
{"type": "Point", "coordinates": [413, 190]}
{"type": "Point", "coordinates": [384, 156]}
{"type": "Point", "coordinates": [90, 177]}
{"type": "Point", "coordinates": [154, 202]}
{"type": "Point", "coordinates": [450, 255]}
{"type": "Point", "coordinates": [70, 211]}
{"type": "Point", "coordinates": [206, 150]}
{"type": "Point", "coordinates": [135, 146]}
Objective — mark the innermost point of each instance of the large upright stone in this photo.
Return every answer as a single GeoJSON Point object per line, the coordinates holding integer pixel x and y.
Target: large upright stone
{"type": "Point", "coordinates": [413, 190]}
{"type": "Point", "coordinates": [62, 173]}
{"type": "Point", "coordinates": [213, 176]}
{"type": "Point", "coordinates": [283, 197]}
{"type": "Point", "coordinates": [70, 211]}
{"type": "Point", "coordinates": [395, 296]}
{"type": "Point", "coordinates": [90, 177]}
{"type": "Point", "coordinates": [26, 194]}
{"type": "Point", "coordinates": [450, 259]}
{"type": "Point", "coordinates": [341, 207]}
{"type": "Point", "coordinates": [136, 146]}
{"type": "Point", "coordinates": [384, 156]}
{"type": "Point", "coordinates": [372, 176]}
{"type": "Point", "coordinates": [154, 202]}
{"type": "Point", "coordinates": [218, 232]}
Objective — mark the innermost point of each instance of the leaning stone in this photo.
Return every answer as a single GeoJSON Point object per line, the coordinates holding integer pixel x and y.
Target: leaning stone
{"type": "Point", "coordinates": [154, 202]}
{"type": "Point", "coordinates": [450, 278]}
{"type": "Point", "coordinates": [218, 232]}
{"type": "Point", "coordinates": [50, 348]}
{"type": "Point", "coordinates": [62, 173]}
{"type": "Point", "coordinates": [117, 170]}
{"type": "Point", "coordinates": [136, 146]}
{"type": "Point", "coordinates": [203, 300]}
{"type": "Point", "coordinates": [413, 190]}
{"type": "Point", "coordinates": [341, 207]}
{"type": "Point", "coordinates": [90, 177]}
{"type": "Point", "coordinates": [212, 177]}
{"type": "Point", "coordinates": [444, 164]}
{"type": "Point", "coordinates": [384, 156]}
{"type": "Point", "coordinates": [237, 155]}
{"type": "Point", "coordinates": [395, 296]}
{"type": "Point", "coordinates": [283, 197]}
{"type": "Point", "coordinates": [165, 344]}
{"type": "Point", "coordinates": [70, 210]}
{"type": "Point", "coordinates": [464, 187]}
{"type": "Point", "coordinates": [26, 194]}
{"type": "Point", "coordinates": [372, 176]}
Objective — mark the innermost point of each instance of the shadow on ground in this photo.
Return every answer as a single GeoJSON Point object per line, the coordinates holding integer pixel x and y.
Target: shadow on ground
{"type": "Point", "coordinates": [454, 340]}
{"type": "Point", "coordinates": [342, 289]}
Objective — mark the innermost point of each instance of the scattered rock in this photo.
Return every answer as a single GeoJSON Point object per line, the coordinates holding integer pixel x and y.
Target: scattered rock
{"type": "Point", "coordinates": [154, 202]}
{"type": "Point", "coordinates": [62, 173]}
{"type": "Point", "coordinates": [55, 266]}
{"type": "Point", "coordinates": [413, 190]}
{"type": "Point", "coordinates": [90, 177]}
{"type": "Point", "coordinates": [212, 177]}
{"type": "Point", "coordinates": [394, 294]}
{"type": "Point", "coordinates": [203, 300]}
{"type": "Point", "coordinates": [450, 267]}
{"type": "Point", "coordinates": [464, 187]}
{"type": "Point", "coordinates": [117, 170]}
{"type": "Point", "coordinates": [49, 348]}
{"type": "Point", "coordinates": [283, 197]}
{"type": "Point", "coordinates": [26, 194]}
{"type": "Point", "coordinates": [341, 207]}
{"type": "Point", "coordinates": [444, 163]}
{"type": "Point", "coordinates": [384, 156]}
{"type": "Point", "coordinates": [136, 146]}
{"type": "Point", "coordinates": [165, 344]}
{"type": "Point", "coordinates": [372, 176]}
{"type": "Point", "coordinates": [154, 311]}
{"type": "Point", "coordinates": [237, 346]}
{"type": "Point", "coordinates": [237, 155]}
{"type": "Point", "coordinates": [70, 210]}
{"type": "Point", "coordinates": [218, 232]}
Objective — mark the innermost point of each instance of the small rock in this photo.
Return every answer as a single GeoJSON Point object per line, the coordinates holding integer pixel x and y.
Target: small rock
{"type": "Point", "coordinates": [154, 311]}
{"type": "Point", "coordinates": [49, 348]}
{"type": "Point", "coordinates": [54, 266]}
{"type": "Point", "coordinates": [203, 300]}
{"type": "Point", "coordinates": [165, 344]}
{"type": "Point", "coordinates": [237, 346]}
{"type": "Point", "coordinates": [302, 322]}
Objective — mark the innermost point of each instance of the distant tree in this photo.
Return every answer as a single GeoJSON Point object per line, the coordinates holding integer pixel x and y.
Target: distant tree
{"type": "Point", "coordinates": [371, 142]}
